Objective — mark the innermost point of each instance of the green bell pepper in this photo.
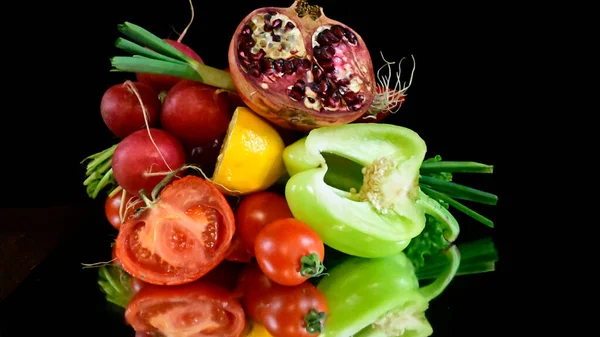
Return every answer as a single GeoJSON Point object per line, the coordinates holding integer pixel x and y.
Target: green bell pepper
{"type": "Point", "coordinates": [381, 297]}
{"type": "Point", "coordinates": [381, 207]}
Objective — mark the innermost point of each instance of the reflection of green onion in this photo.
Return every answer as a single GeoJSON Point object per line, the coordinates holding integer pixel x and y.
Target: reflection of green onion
{"type": "Point", "coordinates": [479, 256]}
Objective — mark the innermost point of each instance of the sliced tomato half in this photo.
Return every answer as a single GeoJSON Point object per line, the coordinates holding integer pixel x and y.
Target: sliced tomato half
{"type": "Point", "coordinates": [179, 238]}
{"type": "Point", "coordinates": [199, 309]}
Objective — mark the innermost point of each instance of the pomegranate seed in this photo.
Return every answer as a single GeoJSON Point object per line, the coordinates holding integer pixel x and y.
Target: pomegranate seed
{"type": "Point", "coordinates": [289, 26]}
{"type": "Point", "coordinates": [277, 23]}
{"type": "Point", "coordinates": [338, 31]}
{"type": "Point", "coordinates": [296, 94]}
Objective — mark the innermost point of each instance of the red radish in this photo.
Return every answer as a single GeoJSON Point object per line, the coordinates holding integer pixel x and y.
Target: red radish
{"type": "Point", "coordinates": [195, 113]}
{"type": "Point", "coordinates": [142, 159]}
{"type": "Point", "coordinates": [122, 111]}
{"type": "Point", "coordinates": [165, 82]}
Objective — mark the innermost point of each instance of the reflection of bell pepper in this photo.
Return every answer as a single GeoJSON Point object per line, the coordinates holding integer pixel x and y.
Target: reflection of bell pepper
{"type": "Point", "coordinates": [381, 297]}
{"type": "Point", "coordinates": [383, 210]}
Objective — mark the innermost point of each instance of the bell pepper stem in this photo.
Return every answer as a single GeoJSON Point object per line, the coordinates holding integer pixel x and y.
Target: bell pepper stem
{"type": "Point", "coordinates": [435, 288]}
{"type": "Point", "coordinates": [433, 208]}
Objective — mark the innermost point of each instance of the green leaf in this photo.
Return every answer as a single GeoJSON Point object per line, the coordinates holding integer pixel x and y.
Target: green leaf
{"type": "Point", "coordinates": [430, 242]}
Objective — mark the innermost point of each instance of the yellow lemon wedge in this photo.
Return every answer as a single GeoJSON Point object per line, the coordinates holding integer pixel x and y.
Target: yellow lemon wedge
{"type": "Point", "coordinates": [251, 157]}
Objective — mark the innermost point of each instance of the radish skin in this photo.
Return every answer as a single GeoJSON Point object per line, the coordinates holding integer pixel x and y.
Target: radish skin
{"type": "Point", "coordinates": [141, 157]}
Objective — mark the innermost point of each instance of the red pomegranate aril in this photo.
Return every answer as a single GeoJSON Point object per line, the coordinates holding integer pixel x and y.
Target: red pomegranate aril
{"type": "Point", "coordinates": [301, 43]}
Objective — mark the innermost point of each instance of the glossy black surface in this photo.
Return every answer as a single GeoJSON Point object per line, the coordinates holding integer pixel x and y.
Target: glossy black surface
{"type": "Point", "coordinates": [460, 115]}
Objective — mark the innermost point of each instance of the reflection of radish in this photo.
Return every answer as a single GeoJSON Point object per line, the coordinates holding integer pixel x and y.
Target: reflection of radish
{"type": "Point", "coordinates": [141, 162]}
{"type": "Point", "coordinates": [164, 82]}
{"type": "Point", "coordinates": [121, 109]}
{"type": "Point", "coordinates": [195, 113]}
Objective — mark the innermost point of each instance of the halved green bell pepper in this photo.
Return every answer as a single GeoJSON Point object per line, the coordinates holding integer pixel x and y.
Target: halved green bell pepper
{"type": "Point", "coordinates": [387, 210]}
{"type": "Point", "coordinates": [381, 297]}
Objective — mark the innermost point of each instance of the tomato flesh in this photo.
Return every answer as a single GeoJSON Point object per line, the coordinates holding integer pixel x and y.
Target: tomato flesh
{"type": "Point", "coordinates": [198, 309]}
{"type": "Point", "coordinates": [181, 237]}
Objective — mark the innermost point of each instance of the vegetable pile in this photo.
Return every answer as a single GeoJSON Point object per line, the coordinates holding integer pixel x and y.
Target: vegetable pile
{"type": "Point", "coordinates": [270, 198]}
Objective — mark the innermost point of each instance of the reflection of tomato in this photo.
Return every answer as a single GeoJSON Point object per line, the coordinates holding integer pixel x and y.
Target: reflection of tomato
{"type": "Point", "coordinates": [280, 247]}
{"type": "Point", "coordinates": [198, 309]}
{"type": "Point", "coordinates": [256, 211]}
{"type": "Point", "coordinates": [179, 238]}
{"type": "Point", "coordinates": [283, 310]}
{"type": "Point", "coordinates": [112, 208]}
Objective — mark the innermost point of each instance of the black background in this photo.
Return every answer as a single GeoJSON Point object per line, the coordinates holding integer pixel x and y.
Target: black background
{"type": "Point", "coordinates": [54, 122]}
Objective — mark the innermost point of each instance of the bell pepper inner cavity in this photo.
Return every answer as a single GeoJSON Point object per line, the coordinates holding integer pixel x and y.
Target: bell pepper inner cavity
{"type": "Point", "coordinates": [381, 216]}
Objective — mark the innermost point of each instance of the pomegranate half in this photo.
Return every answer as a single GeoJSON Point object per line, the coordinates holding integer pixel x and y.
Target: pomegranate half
{"type": "Point", "coordinates": [299, 69]}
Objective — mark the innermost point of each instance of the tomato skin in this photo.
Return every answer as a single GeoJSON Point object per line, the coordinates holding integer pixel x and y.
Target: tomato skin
{"type": "Point", "coordinates": [280, 247]}
{"type": "Point", "coordinates": [179, 238]}
{"type": "Point", "coordinates": [177, 308]}
{"type": "Point", "coordinates": [281, 309]}
{"type": "Point", "coordinates": [112, 207]}
{"type": "Point", "coordinates": [256, 211]}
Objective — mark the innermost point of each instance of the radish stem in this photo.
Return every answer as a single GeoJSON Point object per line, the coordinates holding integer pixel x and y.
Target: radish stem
{"type": "Point", "coordinates": [140, 64]}
{"type": "Point", "coordinates": [171, 62]}
{"type": "Point", "coordinates": [147, 39]}
{"type": "Point", "coordinates": [460, 207]}
{"type": "Point", "coordinates": [459, 191]}
{"type": "Point", "coordinates": [456, 167]}
{"type": "Point", "coordinates": [136, 49]}
{"type": "Point", "coordinates": [99, 174]}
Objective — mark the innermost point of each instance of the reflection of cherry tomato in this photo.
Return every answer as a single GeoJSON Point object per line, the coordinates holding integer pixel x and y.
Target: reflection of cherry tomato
{"type": "Point", "coordinates": [181, 237]}
{"type": "Point", "coordinates": [225, 274]}
{"type": "Point", "coordinates": [112, 208]}
{"type": "Point", "coordinates": [237, 251]}
{"type": "Point", "coordinates": [196, 309]}
{"type": "Point", "coordinates": [280, 248]}
{"type": "Point", "coordinates": [283, 310]}
{"type": "Point", "coordinates": [251, 286]}
{"type": "Point", "coordinates": [256, 211]}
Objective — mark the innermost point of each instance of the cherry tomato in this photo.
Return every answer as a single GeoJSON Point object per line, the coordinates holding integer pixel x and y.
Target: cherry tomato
{"type": "Point", "coordinates": [112, 208]}
{"type": "Point", "coordinates": [256, 211]}
{"type": "Point", "coordinates": [196, 309]}
{"type": "Point", "coordinates": [183, 235]}
{"type": "Point", "coordinates": [289, 252]}
{"type": "Point", "coordinates": [284, 311]}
